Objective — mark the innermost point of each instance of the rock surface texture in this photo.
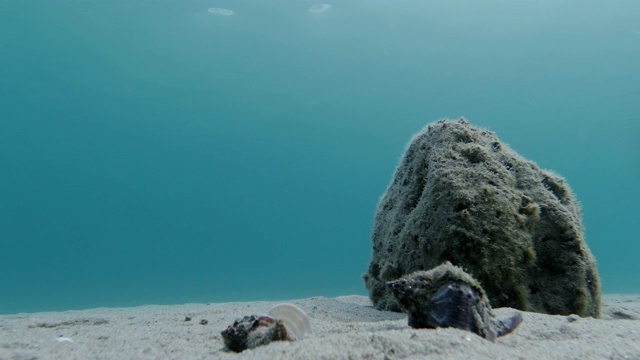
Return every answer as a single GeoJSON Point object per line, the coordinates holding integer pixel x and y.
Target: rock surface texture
{"type": "Point", "coordinates": [460, 195]}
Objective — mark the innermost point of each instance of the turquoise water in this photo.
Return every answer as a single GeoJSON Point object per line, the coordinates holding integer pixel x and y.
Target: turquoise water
{"type": "Point", "coordinates": [156, 152]}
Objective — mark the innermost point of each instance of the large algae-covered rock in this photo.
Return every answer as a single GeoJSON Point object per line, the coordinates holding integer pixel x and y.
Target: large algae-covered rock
{"type": "Point", "coordinates": [460, 195]}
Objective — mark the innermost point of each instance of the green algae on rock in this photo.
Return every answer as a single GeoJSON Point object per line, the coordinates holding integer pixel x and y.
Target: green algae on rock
{"type": "Point", "coordinates": [461, 195]}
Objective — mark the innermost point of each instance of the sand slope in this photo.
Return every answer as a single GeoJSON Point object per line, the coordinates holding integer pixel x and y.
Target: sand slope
{"type": "Point", "coordinates": [344, 328]}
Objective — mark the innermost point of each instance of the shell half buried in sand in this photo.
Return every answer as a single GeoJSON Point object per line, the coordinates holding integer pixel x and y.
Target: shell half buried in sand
{"type": "Point", "coordinates": [446, 296]}
{"type": "Point", "coordinates": [284, 322]}
{"type": "Point", "coordinates": [294, 319]}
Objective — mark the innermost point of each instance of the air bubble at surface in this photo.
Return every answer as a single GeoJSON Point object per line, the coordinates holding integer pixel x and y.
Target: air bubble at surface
{"type": "Point", "coordinates": [318, 8]}
{"type": "Point", "coordinates": [219, 11]}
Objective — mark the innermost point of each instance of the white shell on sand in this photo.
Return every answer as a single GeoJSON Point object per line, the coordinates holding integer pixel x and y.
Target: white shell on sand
{"type": "Point", "coordinates": [294, 319]}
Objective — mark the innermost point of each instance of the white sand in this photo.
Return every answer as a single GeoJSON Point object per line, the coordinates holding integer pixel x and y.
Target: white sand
{"type": "Point", "coordinates": [344, 328]}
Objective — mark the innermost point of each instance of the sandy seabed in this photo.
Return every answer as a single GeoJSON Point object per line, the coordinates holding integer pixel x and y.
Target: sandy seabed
{"type": "Point", "coordinates": [345, 327]}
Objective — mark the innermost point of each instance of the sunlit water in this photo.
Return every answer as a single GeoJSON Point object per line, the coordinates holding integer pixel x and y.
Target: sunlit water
{"type": "Point", "coordinates": [165, 152]}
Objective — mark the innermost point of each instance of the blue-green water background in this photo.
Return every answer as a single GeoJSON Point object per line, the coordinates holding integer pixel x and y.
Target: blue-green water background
{"type": "Point", "coordinates": [154, 152]}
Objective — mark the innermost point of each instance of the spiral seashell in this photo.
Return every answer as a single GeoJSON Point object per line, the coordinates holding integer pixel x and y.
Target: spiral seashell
{"type": "Point", "coordinates": [284, 322]}
{"type": "Point", "coordinates": [446, 296]}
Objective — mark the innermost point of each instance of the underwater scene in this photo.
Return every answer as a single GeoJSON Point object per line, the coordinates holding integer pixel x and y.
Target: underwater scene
{"type": "Point", "coordinates": [188, 151]}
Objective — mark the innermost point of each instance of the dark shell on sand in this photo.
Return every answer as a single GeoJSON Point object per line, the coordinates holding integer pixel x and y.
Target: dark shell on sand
{"type": "Point", "coordinates": [284, 322]}
{"type": "Point", "coordinates": [446, 296]}
{"type": "Point", "coordinates": [252, 331]}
